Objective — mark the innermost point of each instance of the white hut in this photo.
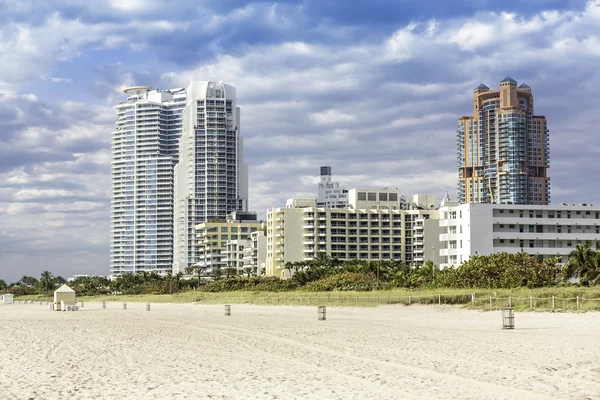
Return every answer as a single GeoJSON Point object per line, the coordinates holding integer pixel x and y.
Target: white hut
{"type": "Point", "coordinates": [63, 295]}
{"type": "Point", "coordinates": [7, 299]}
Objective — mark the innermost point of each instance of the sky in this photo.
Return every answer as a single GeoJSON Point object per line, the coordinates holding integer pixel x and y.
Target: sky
{"type": "Point", "coordinates": [372, 88]}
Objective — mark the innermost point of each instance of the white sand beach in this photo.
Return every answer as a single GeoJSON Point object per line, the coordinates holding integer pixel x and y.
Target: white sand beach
{"type": "Point", "coordinates": [185, 351]}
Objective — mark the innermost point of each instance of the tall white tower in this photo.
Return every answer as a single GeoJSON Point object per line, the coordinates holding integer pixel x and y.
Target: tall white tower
{"type": "Point", "coordinates": [143, 153]}
{"type": "Point", "coordinates": [211, 178]}
{"type": "Point", "coordinates": [330, 194]}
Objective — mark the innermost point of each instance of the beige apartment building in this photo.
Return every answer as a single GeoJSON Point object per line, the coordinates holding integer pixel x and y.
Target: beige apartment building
{"type": "Point", "coordinates": [503, 149]}
{"type": "Point", "coordinates": [378, 230]}
{"type": "Point", "coordinates": [212, 239]}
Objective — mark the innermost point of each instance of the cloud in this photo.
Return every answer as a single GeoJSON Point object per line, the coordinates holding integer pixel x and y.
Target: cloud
{"type": "Point", "coordinates": [371, 88]}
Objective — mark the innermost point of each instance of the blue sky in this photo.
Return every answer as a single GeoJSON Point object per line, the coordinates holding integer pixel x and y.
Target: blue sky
{"type": "Point", "coordinates": [372, 88]}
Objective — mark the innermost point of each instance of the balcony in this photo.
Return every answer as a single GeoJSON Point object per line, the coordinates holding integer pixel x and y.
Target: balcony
{"type": "Point", "coordinates": [445, 237]}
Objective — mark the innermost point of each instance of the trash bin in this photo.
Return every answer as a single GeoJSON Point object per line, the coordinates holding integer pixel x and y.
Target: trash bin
{"type": "Point", "coordinates": [508, 318]}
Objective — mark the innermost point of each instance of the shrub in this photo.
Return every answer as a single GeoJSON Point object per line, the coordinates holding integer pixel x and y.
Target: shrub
{"type": "Point", "coordinates": [255, 283]}
{"type": "Point", "coordinates": [344, 281]}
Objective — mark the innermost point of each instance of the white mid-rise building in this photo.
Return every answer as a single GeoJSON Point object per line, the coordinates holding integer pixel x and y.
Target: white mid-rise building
{"type": "Point", "coordinates": [143, 153]}
{"type": "Point", "coordinates": [211, 178]}
{"type": "Point", "coordinates": [255, 255]}
{"type": "Point", "coordinates": [300, 203]}
{"type": "Point", "coordinates": [247, 255]}
{"type": "Point", "coordinates": [234, 253]}
{"type": "Point", "coordinates": [385, 199]}
{"type": "Point", "coordinates": [545, 230]}
{"type": "Point", "coordinates": [330, 194]}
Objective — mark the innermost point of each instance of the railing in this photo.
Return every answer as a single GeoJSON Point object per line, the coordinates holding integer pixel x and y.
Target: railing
{"type": "Point", "coordinates": [479, 301]}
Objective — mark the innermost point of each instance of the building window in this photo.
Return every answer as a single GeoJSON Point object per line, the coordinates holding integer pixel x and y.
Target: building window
{"type": "Point", "coordinates": [224, 229]}
{"type": "Point", "coordinates": [393, 196]}
{"type": "Point", "coordinates": [362, 196]}
{"type": "Point", "coordinates": [383, 197]}
{"type": "Point", "coordinates": [372, 196]}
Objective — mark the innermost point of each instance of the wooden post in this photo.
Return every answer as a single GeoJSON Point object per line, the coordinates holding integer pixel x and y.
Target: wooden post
{"type": "Point", "coordinates": [491, 306]}
{"type": "Point", "coordinates": [409, 300]}
{"type": "Point", "coordinates": [439, 299]}
{"type": "Point", "coordinates": [124, 306]}
{"type": "Point", "coordinates": [473, 299]}
{"type": "Point", "coordinates": [552, 302]}
{"type": "Point", "coordinates": [356, 301]}
{"type": "Point", "coordinates": [147, 306]}
{"type": "Point", "coordinates": [510, 301]}
{"type": "Point", "coordinates": [104, 305]}
{"type": "Point", "coordinates": [577, 303]}
{"type": "Point", "coordinates": [530, 301]}
{"type": "Point", "coordinates": [227, 309]}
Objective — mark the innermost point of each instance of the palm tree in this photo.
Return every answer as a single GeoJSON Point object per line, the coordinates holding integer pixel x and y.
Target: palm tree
{"type": "Point", "coordinates": [29, 280]}
{"type": "Point", "coordinates": [216, 272]}
{"type": "Point", "coordinates": [230, 272]}
{"type": "Point", "coordinates": [288, 267]}
{"type": "Point", "coordinates": [579, 261]}
{"type": "Point", "coordinates": [593, 275]}
{"type": "Point", "coordinates": [249, 271]}
{"type": "Point", "coordinates": [196, 269]}
{"type": "Point", "coordinates": [47, 281]}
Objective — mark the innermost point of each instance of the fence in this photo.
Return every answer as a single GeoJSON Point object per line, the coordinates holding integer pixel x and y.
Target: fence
{"type": "Point", "coordinates": [479, 301]}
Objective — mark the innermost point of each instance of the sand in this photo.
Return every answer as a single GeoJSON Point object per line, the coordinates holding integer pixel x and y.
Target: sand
{"type": "Point", "coordinates": [282, 352]}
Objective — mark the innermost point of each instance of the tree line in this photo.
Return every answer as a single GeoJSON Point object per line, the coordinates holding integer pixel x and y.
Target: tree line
{"type": "Point", "coordinates": [323, 273]}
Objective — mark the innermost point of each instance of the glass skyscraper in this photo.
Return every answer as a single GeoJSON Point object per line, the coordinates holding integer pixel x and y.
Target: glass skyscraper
{"type": "Point", "coordinates": [503, 149]}
{"type": "Point", "coordinates": [143, 154]}
{"type": "Point", "coordinates": [211, 178]}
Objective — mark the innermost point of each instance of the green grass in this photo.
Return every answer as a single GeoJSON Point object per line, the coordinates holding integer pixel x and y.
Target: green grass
{"type": "Point", "coordinates": [500, 298]}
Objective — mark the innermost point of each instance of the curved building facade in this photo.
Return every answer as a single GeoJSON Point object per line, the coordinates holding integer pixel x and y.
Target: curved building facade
{"type": "Point", "coordinates": [211, 178]}
{"type": "Point", "coordinates": [144, 150]}
{"type": "Point", "coordinates": [503, 149]}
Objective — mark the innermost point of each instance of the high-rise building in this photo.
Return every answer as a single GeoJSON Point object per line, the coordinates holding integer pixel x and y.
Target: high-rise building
{"type": "Point", "coordinates": [143, 152]}
{"type": "Point", "coordinates": [330, 194]}
{"type": "Point", "coordinates": [503, 153]}
{"type": "Point", "coordinates": [211, 178]}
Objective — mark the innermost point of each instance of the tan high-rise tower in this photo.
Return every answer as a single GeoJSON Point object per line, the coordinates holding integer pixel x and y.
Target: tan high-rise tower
{"type": "Point", "coordinates": [503, 150]}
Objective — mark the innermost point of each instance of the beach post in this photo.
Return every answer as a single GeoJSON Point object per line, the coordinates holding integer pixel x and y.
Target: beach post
{"type": "Point", "coordinates": [473, 299]}
{"type": "Point", "coordinates": [510, 300]}
{"type": "Point", "coordinates": [227, 309]}
{"type": "Point", "coordinates": [553, 302]}
{"type": "Point", "coordinates": [104, 305]}
{"type": "Point", "coordinates": [508, 318]}
{"type": "Point", "coordinates": [147, 306]}
{"type": "Point", "coordinates": [577, 303]}
{"type": "Point", "coordinates": [530, 301]}
{"type": "Point", "coordinates": [124, 306]}
{"type": "Point", "coordinates": [322, 313]}
{"type": "Point", "coordinates": [82, 304]}
{"type": "Point", "coordinates": [491, 304]}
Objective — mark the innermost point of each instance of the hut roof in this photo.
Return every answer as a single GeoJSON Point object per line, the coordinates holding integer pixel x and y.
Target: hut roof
{"type": "Point", "coordinates": [64, 289]}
